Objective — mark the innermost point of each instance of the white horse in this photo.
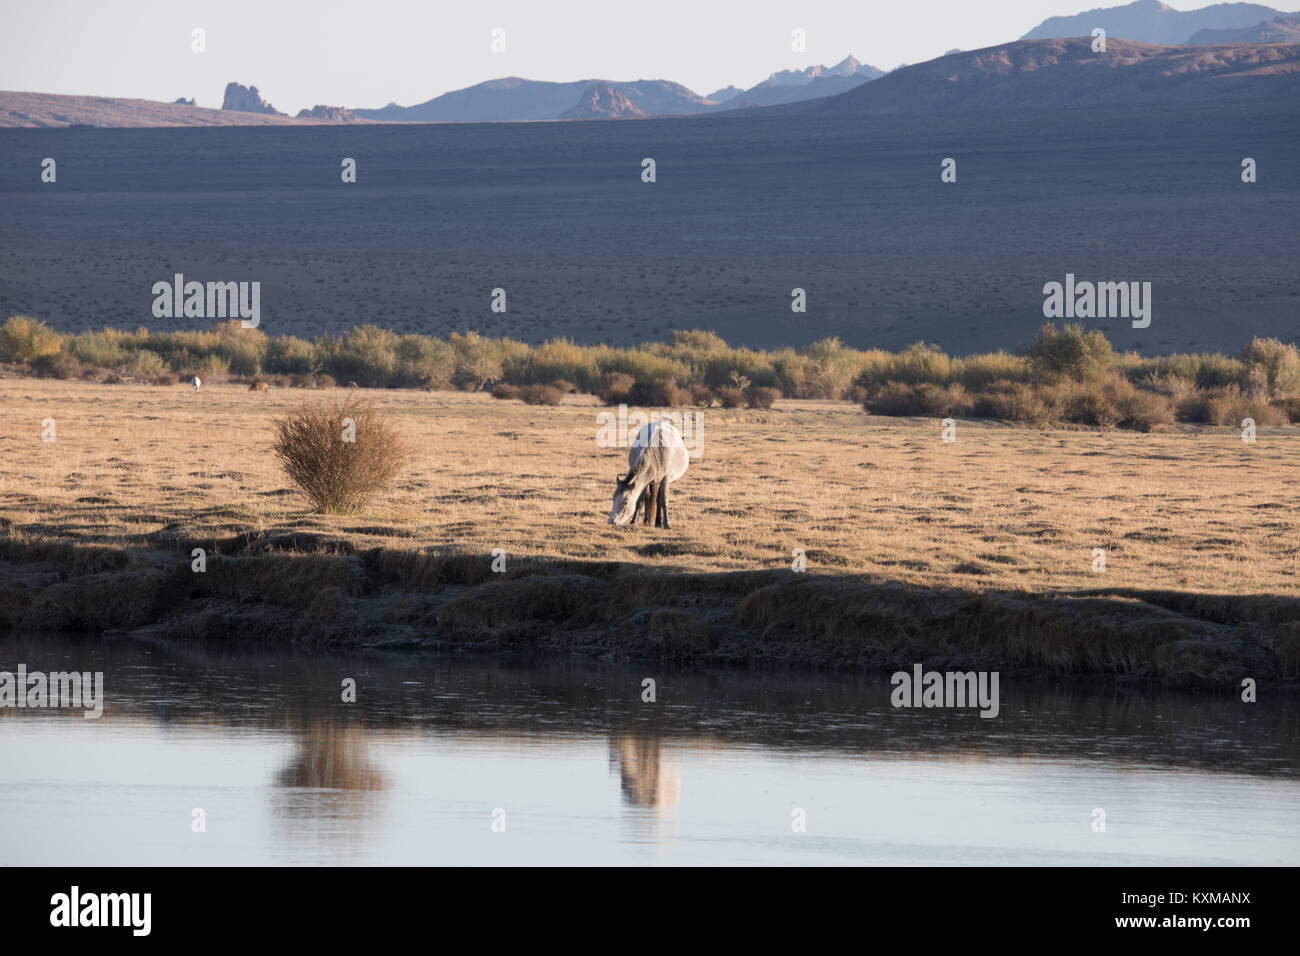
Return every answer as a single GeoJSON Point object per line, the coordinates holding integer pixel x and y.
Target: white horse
{"type": "Point", "coordinates": [196, 383]}
{"type": "Point", "coordinates": [657, 458]}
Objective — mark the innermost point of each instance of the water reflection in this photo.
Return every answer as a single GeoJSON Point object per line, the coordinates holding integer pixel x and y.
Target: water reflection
{"type": "Point", "coordinates": [646, 778]}
{"type": "Point", "coordinates": [332, 757]}
{"type": "Point", "coordinates": [411, 770]}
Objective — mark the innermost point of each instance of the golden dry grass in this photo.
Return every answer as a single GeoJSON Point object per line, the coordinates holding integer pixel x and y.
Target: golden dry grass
{"type": "Point", "coordinates": [1003, 507]}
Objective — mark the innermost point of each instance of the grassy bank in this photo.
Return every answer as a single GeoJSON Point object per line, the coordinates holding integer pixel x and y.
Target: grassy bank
{"type": "Point", "coordinates": [306, 588]}
{"type": "Point", "coordinates": [1065, 375]}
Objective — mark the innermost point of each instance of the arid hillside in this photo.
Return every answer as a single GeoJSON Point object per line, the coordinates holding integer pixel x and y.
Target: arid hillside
{"type": "Point", "coordinates": [51, 110]}
{"type": "Point", "coordinates": [1035, 74]}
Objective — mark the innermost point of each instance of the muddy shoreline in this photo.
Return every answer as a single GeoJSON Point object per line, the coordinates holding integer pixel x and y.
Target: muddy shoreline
{"type": "Point", "coordinates": [310, 590]}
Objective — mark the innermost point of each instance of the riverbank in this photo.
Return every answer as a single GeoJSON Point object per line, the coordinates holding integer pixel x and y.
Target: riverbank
{"type": "Point", "coordinates": [303, 589]}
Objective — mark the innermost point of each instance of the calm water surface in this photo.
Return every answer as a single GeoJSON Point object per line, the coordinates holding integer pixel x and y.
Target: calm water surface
{"type": "Point", "coordinates": [584, 772]}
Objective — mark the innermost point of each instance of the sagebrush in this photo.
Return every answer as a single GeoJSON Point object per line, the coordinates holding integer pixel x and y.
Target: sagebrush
{"type": "Point", "coordinates": [341, 454]}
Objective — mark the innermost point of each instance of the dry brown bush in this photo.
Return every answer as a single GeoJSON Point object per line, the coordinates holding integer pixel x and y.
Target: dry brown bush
{"type": "Point", "coordinates": [615, 387]}
{"type": "Point", "coordinates": [729, 396]}
{"type": "Point", "coordinates": [541, 395]}
{"type": "Point", "coordinates": [657, 394]}
{"type": "Point", "coordinates": [760, 396]}
{"type": "Point", "coordinates": [1014, 402]}
{"type": "Point", "coordinates": [702, 396]}
{"type": "Point", "coordinates": [339, 475]}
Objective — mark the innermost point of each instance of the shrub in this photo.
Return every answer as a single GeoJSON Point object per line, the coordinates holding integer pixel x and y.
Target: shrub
{"type": "Point", "coordinates": [61, 365]}
{"type": "Point", "coordinates": [422, 360]}
{"type": "Point", "coordinates": [1290, 407]}
{"type": "Point", "coordinates": [899, 398]}
{"type": "Point", "coordinates": [922, 363]}
{"type": "Point", "coordinates": [1096, 408]}
{"type": "Point", "coordinates": [1228, 406]}
{"type": "Point", "coordinates": [506, 392]}
{"type": "Point", "coordinates": [365, 354]}
{"type": "Point", "coordinates": [892, 398]}
{"type": "Point", "coordinates": [701, 396]}
{"type": "Point", "coordinates": [104, 349]}
{"type": "Point", "coordinates": [212, 368]}
{"type": "Point", "coordinates": [1270, 368]}
{"type": "Point", "coordinates": [615, 388]}
{"type": "Point", "coordinates": [479, 361]}
{"type": "Point", "coordinates": [541, 395]}
{"type": "Point", "coordinates": [1014, 402]}
{"type": "Point", "coordinates": [1145, 410]}
{"type": "Point", "coordinates": [563, 360]}
{"type": "Point", "coordinates": [656, 394]}
{"type": "Point", "coordinates": [144, 364]}
{"type": "Point", "coordinates": [644, 365]}
{"type": "Point", "coordinates": [24, 340]}
{"type": "Point", "coordinates": [289, 355]}
{"type": "Point", "coordinates": [761, 396]}
{"type": "Point", "coordinates": [977, 372]}
{"type": "Point", "coordinates": [1178, 388]}
{"type": "Point", "coordinates": [338, 475]}
{"type": "Point", "coordinates": [824, 370]}
{"type": "Point", "coordinates": [1071, 353]}
{"type": "Point", "coordinates": [1113, 401]}
{"type": "Point", "coordinates": [697, 341]}
{"type": "Point", "coordinates": [729, 396]}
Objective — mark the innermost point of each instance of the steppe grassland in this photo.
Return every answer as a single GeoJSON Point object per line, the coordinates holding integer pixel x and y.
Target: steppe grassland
{"type": "Point", "coordinates": [1002, 507]}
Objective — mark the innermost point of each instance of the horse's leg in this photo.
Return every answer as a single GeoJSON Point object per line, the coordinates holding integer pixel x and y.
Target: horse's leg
{"type": "Point", "coordinates": [663, 505]}
{"type": "Point", "coordinates": [636, 509]}
{"type": "Point", "coordinates": [652, 503]}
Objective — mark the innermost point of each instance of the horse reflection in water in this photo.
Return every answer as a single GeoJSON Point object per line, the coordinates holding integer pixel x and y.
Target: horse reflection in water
{"type": "Point", "coordinates": [331, 756]}
{"type": "Point", "coordinates": [329, 792]}
{"type": "Point", "coordinates": [646, 778]}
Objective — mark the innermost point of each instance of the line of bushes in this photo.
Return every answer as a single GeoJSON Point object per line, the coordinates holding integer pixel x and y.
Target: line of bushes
{"type": "Point", "coordinates": [1070, 374]}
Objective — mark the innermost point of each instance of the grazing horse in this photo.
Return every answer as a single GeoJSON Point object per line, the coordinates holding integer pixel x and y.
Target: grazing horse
{"type": "Point", "coordinates": [657, 458]}
{"type": "Point", "coordinates": [196, 383]}
{"type": "Point", "coordinates": [258, 387]}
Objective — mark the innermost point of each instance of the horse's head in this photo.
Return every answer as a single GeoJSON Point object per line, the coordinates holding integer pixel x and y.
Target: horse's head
{"type": "Point", "coordinates": [625, 498]}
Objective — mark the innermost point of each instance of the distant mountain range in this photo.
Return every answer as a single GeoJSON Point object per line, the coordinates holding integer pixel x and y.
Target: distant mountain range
{"type": "Point", "coordinates": [1255, 55]}
{"type": "Point", "coordinates": [516, 99]}
{"type": "Point", "coordinates": [1150, 21]}
{"type": "Point", "coordinates": [1278, 30]}
{"type": "Point", "coordinates": [1031, 74]}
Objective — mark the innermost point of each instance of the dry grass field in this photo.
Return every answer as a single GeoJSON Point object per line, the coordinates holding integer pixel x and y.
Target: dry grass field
{"type": "Point", "coordinates": [976, 552]}
{"type": "Point", "coordinates": [1002, 507]}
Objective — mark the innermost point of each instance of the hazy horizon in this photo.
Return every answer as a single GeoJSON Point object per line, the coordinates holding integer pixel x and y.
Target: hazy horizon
{"type": "Point", "coordinates": [141, 49]}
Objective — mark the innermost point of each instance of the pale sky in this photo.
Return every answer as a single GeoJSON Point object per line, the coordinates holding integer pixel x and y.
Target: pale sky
{"type": "Point", "coordinates": [367, 54]}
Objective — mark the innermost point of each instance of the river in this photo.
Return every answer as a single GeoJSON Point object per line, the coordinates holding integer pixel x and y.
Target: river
{"type": "Point", "coordinates": [249, 755]}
